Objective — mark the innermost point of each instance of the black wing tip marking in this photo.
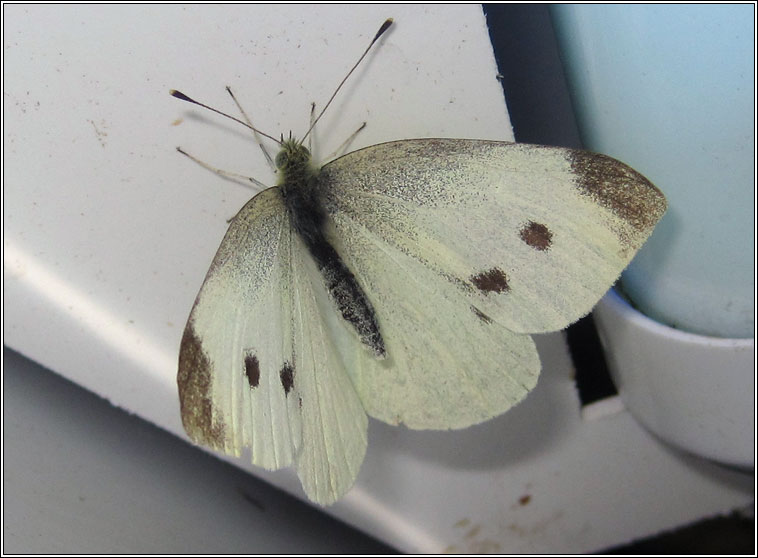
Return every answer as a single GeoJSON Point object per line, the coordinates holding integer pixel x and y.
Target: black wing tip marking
{"type": "Point", "coordinates": [194, 381]}
{"type": "Point", "coordinates": [619, 188]}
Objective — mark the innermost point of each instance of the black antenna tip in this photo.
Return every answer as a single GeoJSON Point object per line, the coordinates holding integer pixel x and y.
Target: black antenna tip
{"type": "Point", "coordinates": [384, 27]}
{"type": "Point", "coordinates": [180, 95]}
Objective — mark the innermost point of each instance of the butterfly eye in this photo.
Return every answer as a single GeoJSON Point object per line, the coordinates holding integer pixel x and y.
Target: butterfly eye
{"type": "Point", "coordinates": [281, 159]}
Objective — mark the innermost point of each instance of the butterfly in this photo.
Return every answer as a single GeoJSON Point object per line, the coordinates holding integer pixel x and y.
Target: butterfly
{"type": "Point", "coordinates": [401, 281]}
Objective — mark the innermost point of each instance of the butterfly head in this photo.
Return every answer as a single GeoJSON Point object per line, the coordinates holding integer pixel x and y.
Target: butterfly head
{"type": "Point", "coordinates": [294, 164]}
{"type": "Point", "coordinates": [292, 155]}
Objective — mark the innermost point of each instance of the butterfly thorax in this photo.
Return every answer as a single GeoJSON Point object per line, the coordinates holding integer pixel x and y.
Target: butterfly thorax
{"type": "Point", "coordinates": [299, 185]}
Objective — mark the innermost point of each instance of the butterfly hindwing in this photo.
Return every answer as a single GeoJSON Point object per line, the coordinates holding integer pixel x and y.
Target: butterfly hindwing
{"type": "Point", "coordinates": [334, 427]}
{"type": "Point", "coordinates": [447, 364]}
{"type": "Point", "coordinates": [257, 367]}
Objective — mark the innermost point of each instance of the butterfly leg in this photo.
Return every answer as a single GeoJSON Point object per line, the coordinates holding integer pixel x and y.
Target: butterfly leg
{"type": "Point", "coordinates": [312, 122]}
{"type": "Point", "coordinates": [257, 136]}
{"type": "Point", "coordinates": [246, 180]}
{"type": "Point", "coordinates": [343, 148]}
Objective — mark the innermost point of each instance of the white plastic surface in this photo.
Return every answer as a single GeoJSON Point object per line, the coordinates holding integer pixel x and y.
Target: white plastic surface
{"type": "Point", "coordinates": [695, 392]}
{"type": "Point", "coordinates": [109, 233]}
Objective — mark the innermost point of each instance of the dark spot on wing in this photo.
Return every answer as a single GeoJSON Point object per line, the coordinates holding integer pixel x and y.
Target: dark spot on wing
{"type": "Point", "coordinates": [252, 370]}
{"type": "Point", "coordinates": [287, 376]}
{"type": "Point", "coordinates": [194, 382]}
{"type": "Point", "coordinates": [481, 315]}
{"type": "Point", "coordinates": [536, 235]}
{"type": "Point", "coordinates": [525, 499]}
{"type": "Point", "coordinates": [493, 280]}
{"type": "Point", "coordinates": [621, 189]}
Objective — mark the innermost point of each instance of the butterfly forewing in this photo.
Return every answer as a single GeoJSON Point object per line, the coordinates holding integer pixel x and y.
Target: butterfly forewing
{"type": "Point", "coordinates": [258, 367]}
{"type": "Point", "coordinates": [241, 298]}
{"type": "Point", "coordinates": [532, 236]}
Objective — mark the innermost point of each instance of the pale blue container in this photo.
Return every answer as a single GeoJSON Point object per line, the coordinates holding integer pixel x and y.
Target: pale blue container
{"type": "Point", "coordinates": [669, 89]}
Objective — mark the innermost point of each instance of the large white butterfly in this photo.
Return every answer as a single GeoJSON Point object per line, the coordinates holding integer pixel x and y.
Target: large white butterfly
{"type": "Point", "coordinates": [399, 281]}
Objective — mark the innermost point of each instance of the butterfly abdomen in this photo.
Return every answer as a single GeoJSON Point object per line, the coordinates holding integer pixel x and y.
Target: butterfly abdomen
{"type": "Point", "coordinates": [307, 215]}
{"type": "Point", "coordinates": [346, 293]}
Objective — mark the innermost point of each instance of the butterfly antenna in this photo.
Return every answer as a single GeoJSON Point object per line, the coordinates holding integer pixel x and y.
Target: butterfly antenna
{"type": "Point", "coordinates": [183, 97]}
{"type": "Point", "coordinates": [382, 29]}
